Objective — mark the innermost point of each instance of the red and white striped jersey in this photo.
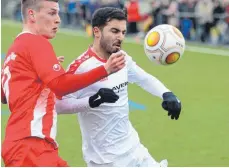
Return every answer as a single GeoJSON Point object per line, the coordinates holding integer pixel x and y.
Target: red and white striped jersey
{"type": "Point", "coordinates": [29, 66]}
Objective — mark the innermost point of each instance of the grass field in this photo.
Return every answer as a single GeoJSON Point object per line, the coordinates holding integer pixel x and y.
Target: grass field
{"type": "Point", "coordinates": [199, 138]}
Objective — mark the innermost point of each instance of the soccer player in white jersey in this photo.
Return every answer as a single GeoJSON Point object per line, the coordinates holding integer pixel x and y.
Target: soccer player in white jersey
{"type": "Point", "coordinates": [109, 139]}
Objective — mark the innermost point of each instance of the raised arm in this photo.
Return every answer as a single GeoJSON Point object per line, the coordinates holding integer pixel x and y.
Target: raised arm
{"type": "Point", "coordinates": [50, 72]}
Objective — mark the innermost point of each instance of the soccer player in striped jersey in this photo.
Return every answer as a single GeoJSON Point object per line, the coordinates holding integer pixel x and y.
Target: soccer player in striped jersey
{"type": "Point", "coordinates": [31, 78]}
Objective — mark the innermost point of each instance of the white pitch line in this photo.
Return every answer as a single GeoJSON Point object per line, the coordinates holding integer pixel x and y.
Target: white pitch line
{"type": "Point", "coordinates": [69, 32]}
{"type": "Point", "coordinates": [207, 50]}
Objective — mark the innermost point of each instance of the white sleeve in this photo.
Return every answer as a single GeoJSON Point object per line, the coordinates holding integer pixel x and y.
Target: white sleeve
{"type": "Point", "coordinates": [70, 105]}
{"type": "Point", "coordinates": [146, 81]}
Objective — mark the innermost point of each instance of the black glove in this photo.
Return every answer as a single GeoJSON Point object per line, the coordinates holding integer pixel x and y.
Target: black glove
{"type": "Point", "coordinates": [104, 95]}
{"type": "Point", "coordinates": [171, 104]}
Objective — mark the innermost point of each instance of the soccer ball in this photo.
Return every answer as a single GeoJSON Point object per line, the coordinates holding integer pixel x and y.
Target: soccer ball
{"type": "Point", "coordinates": [164, 44]}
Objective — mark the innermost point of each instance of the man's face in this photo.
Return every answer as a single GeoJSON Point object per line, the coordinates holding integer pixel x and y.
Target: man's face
{"type": "Point", "coordinates": [112, 36]}
{"type": "Point", "coordinates": [47, 19]}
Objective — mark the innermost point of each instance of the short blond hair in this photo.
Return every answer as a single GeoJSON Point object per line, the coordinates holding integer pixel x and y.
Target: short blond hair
{"type": "Point", "coordinates": [33, 4]}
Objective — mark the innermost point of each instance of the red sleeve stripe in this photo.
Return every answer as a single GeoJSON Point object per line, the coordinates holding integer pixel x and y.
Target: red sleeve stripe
{"type": "Point", "coordinates": [76, 64]}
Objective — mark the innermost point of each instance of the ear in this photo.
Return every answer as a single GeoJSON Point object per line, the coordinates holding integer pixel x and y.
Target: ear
{"type": "Point", "coordinates": [31, 15]}
{"type": "Point", "coordinates": [96, 32]}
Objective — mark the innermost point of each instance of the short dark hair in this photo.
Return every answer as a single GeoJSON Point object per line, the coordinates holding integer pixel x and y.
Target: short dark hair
{"type": "Point", "coordinates": [33, 4]}
{"type": "Point", "coordinates": [103, 15]}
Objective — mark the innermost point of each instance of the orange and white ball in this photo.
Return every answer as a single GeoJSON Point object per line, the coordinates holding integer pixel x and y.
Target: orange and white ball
{"type": "Point", "coordinates": [164, 44]}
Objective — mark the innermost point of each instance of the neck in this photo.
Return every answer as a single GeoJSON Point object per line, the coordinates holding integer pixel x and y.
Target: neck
{"type": "Point", "coordinates": [100, 52]}
{"type": "Point", "coordinates": [29, 28]}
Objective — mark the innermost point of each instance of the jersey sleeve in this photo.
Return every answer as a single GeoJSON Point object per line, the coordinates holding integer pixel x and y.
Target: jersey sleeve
{"type": "Point", "coordinates": [70, 104]}
{"type": "Point", "coordinates": [44, 60]}
{"type": "Point", "coordinates": [143, 79]}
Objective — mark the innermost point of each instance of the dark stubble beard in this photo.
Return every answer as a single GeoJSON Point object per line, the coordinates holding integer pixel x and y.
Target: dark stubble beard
{"type": "Point", "coordinates": [104, 44]}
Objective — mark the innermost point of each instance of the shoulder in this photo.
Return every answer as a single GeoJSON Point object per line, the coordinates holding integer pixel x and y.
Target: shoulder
{"type": "Point", "coordinates": [24, 43]}
{"type": "Point", "coordinates": [33, 40]}
{"type": "Point", "coordinates": [80, 63]}
{"type": "Point", "coordinates": [30, 36]}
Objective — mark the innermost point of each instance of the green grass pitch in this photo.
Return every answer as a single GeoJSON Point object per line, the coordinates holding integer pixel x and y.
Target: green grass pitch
{"type": "Point", "coordinates": [201, 135]}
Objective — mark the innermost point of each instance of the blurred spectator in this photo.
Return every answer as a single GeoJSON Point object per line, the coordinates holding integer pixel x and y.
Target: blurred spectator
{"type": "Point", "coordinates": [226, 37]}
{"type": "Point", "coordinates": [17, 12]}
{"type": "Point", "coordinates": [72, 12]}
{"type": "Point", "coordinates": [204, 10]}
{"type": "Point", "coordinates": [187, 18]}
{"type": "Point", "coordinates": [218, 12]}
{"type": "Point", "coordinates": [182, 7]}
{"type": "Point", "coordinates": [84, 4]}
{"type": "Point", "coordinates": [216, 32]}
{"type": "Point", "coordinates": [171, 12]}
{"type": "Point", "coordinates": [92, 6]}
{"type": "Point", "coordinates": [227, 11]}
{"type": "Point", "coordinates": [191, 11]}
{"type": "Point", "coordinates": [111, 3]}
{"type": "Point", "coordinates": [132, 7]}
{"type": "Point", "coordinates": [156, 13]}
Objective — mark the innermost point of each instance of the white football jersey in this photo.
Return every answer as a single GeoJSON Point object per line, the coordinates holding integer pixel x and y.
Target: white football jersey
{"type": "Point", "coordinates": [106, 130]}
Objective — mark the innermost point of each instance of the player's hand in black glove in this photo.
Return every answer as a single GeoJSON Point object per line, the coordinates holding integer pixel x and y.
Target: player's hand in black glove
{"type": "Point", "coordinates": [171, 104]}
{"type": "Point", "coordinates": [104, 95]}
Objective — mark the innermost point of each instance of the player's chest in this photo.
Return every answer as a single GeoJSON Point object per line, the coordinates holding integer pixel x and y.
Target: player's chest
{"type": "Point", "coordinates": [116, 81]}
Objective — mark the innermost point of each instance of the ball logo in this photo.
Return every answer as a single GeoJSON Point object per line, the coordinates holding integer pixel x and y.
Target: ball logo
{"type": "Point", "coordinates": [56, 67]}
{"type": "Point", "coordinates": [172, 58]}
{"type": "Point", "coordinates": [153, 38]}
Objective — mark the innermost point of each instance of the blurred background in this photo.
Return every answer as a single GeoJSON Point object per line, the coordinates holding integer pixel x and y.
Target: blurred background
{"type": "Point", "coordinates": [205, 21]}
{"type": "Point", "coordinates": [200, 79]}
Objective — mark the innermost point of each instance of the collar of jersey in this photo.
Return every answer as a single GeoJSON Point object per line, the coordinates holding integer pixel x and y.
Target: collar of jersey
{"type": "Point", "coordinates": [24, 33]}
{"type": "Point", "coordinates": [92, 53]}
